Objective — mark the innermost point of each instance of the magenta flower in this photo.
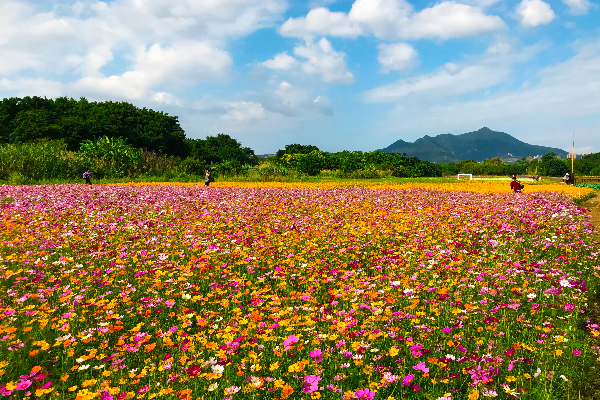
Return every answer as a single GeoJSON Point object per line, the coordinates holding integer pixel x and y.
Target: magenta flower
{"type": "Point", "coordinates": [364, 394]}
{"type": "Point", "coordinates": [105, 395]}
{"type": "Point", "coordinates": [421, 367]}
{"type": "Point", "coordinates": [408, 379]}
{"type": "Point", "coordinates": [311, 383]}
{"type": "Point", "coordinates": [576, 352]}
{"type": "Point", "coordinates": [509, 352]}
{"type": "Point", "coordinates": [47, 385]}
{"type": "Point", "coordinates": [446, 330]}
{"type": "Point", "coordinates": [315, 354]}
{"type": "Point", "coordinates": [23, 384]}
{"type": "Point", "coordinates": [290, 341]}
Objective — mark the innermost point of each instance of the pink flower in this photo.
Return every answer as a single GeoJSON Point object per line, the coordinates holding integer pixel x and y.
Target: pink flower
{"type": "Point", "coordinates": [311, 383]}
{"type": "Point", "coordinates": [364, 394]}
{"type": "Point", "coordinates": [446, 330]}
{"type": "Point", "coordinates": [315, 354]}
{"type": "Point", "coordinates": [576, 352]}
{"type": "Point", "coordinates": [3, 390]}
{"type": "Point", "coordinates": [408, 379]}
{"type": "Point", "coordinates": [105, 395]}
{"type": "Point", "coordinates": [509, 352]}
{"type": "Point", "coordinates": [421, 367]}
{"type": "Point", "coordinates": [170, 303]}
{"type": "Point", "coordinates": [290, 341]}
{"type": "Point", "coordinates": [47, 385]}
{"type": "Point", "coordinates": [23, 384]}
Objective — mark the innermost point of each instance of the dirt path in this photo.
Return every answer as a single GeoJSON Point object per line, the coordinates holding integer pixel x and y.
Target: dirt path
{"type": "Point", "coordinates": [593, 205]}
{"type": "Point", "coordinates": [593, 392]}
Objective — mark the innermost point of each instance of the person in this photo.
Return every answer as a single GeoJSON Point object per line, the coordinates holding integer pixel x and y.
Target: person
{"type": "Point", "coordinates": [571, 180]}
{"type": "Point", "coordinates": [566, 178]}
{"type": "Point", "coordinates": [87, 175]}
{"type": "Point", "coordinates": [207, 178]}
{"type": "Point", "coordinates": [515, 185]}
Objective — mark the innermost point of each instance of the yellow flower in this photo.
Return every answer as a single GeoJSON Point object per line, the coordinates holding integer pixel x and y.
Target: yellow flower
{"type": "Point", "coordinates": [394, 351]}
{"type": "Point", "coordinates": [11, 386]}
{"type": "Point", "coordinates": [474, 395]}
{"type": "Point", "coordinates": [559, 352]}
{"type": "Point", "coordinates": [510, 379]}
{"type": "Point", "coordinates": [527, 376]}
{"type": "Point", "coordinates": [315, 395]}
{"type": "Point", "coordinates": [73, 388]}
{"type": "Point", "coordinates": [274, 366]}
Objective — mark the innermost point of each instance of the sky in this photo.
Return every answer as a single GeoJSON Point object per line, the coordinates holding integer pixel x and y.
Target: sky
{"type": "Point", "coordinates": [338, 74]}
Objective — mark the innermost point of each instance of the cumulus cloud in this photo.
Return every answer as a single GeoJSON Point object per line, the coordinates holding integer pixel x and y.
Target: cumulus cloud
{"type": "Point", "coordinates": [32, 87]}
{"type": "Point", "coordinates": [534, 12]}
{"type": "Point", "coordinates": [184, 64]}
{"type": "Point", "coordinates": [397, 56]}
{"type": "Point", "coordinates": [451, 80]}
{"type": "Point", "coordinates": [182, 41]}
{"type": "Point", "coordinates": [394, 19]}
{"type": "Point", "coordinates": [454, 79]}
{"type": "Point", "coordinates": [324, 60]}
{"type": "Point", "coordinates": [281, 61]}
{"type": "Point", "coordinates": [578, 7]}
{"type": "Point", "coordinates": [243, 111]}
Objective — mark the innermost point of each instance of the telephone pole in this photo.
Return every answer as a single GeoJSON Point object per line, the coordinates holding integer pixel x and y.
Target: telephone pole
{"type": "Point", "coordinates": [573, 151]}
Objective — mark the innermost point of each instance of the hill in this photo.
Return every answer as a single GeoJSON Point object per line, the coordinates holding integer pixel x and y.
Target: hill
{"type": "Point", "coordinates": [479, 145]}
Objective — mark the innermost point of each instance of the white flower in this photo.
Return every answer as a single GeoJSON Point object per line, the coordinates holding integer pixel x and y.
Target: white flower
{"type": "Point", "coordinates": [218, 369]}
{"type": "Point", "coordinates": [83, 367]}
{"type": "Point", "coordinates": [213, 387]}
{"type": "Point", "coordinates": [450, 356]}
{"type": "Point", "coordinates": [99, 366]}
{"type": "Point", "coordinates": [531, 296]}
{"type": "Point", "coordinates": [408, 291]}
{"type": "Point", "coordinates": [395, 283]}
{"type": "Point", "coordinates": [80, 360]}
{"type": "Point", "coordinates": [374, 350]}
{"type": "Point", "coordinates": [564, 283]}
{"type": "Point", "coordinates": [564, 378]}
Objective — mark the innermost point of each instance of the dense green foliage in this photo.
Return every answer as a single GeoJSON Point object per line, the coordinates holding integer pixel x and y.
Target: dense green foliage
{"type": "Point", "coordinates": [296, 149]}
{"type": "Point", "coordinates": [30, 118]}
{"type": "Point", "coordinates": [493, 166]}
{"type": "Point", "coordinates": [593, 185]}
{"type": "Point", "coordinates": [358, 164]}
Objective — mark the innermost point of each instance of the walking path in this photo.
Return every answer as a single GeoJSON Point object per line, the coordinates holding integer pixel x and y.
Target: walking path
{"type": "Point", "coordinates": [594, 205]}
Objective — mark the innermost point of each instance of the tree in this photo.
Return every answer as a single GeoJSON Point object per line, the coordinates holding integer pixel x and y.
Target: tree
{"type": "Point", "coordinates": [297, 149]}
{"type": "Point", "coordinates": [552, 166]}
{"type": "Point", "coordinates": [219, 149]}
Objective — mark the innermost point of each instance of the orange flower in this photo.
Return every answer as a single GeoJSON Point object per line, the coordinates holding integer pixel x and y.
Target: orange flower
{"type": "Point", "coordinates": [185, 394]}
{"type": "Point", "coordinates": [149, 347]}
{"type": "Point", "coordinates": [33, 353]}
{"type": "Point", "coordinates": [287, 391]}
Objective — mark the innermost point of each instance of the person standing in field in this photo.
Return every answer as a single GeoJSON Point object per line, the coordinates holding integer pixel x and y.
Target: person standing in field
{"type": "Point", "coordinates": [207, 178]}
{"type": "Point", "coordinates": [87, 175]}
{"type": "Point", "coordinates": [515, 185]}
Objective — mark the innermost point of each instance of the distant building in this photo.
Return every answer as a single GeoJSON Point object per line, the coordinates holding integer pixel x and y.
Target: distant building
{"type": "Point", "coordinates": [558, 157]}
{"type": "Point", "coordinates": [529, 159]}
{"type": "Point", "coordinates": [572, 155]}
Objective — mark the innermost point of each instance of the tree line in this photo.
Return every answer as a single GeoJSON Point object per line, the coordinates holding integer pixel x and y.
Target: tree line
{"type": "Point", "coordinates": [60, 138]}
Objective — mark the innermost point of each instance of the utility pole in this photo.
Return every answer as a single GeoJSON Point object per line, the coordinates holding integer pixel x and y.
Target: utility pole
{"type": "Point", "coordinates": [573, 152]}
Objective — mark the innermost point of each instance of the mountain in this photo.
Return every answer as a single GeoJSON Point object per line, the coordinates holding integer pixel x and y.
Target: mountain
{"type": "Point", "coordinates": [479, 145]}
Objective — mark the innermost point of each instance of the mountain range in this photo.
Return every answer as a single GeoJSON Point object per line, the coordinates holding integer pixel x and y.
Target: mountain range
{"type": "Point", "coordinates": [478, 145]}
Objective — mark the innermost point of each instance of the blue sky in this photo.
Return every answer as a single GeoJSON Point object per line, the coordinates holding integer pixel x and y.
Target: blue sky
{"type": "Point", "coordinates": [341, 75]}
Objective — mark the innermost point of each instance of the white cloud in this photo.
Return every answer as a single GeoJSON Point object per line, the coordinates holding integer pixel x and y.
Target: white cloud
{"type": "Point", "coordinates": [166, 98]}
{"type": "Point", "coordinates": [534, 12]}
{"type": "Point", "coordinates": [397, 56]}
{"type": "Point", "coordinates": [578, 7]}
{"type": "Point", "coordinates": [243, 111]}
{"type": "Point", "coordinates": [451, 80]}
{"type": "Point", "coordinates": [394, 19]}
{"type": "Point", "coordinates": [324, 60]}
{"type": "Point", "coordinates": [32, 87]}
{"type": "Point", "coordinates": [281, 61]}
{"type": "Point", "coordinates": [183, 64]}
{"type": "Point", "coordinates": [183, 38]}
{"type": "Point", "coordinates": [449, 20]}
{"type": "Point", "coordinates": [321, 22]}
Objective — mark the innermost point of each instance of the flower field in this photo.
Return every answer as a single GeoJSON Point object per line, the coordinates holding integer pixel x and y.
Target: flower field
{"type": "Point", "coordinates": [295, 291]}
